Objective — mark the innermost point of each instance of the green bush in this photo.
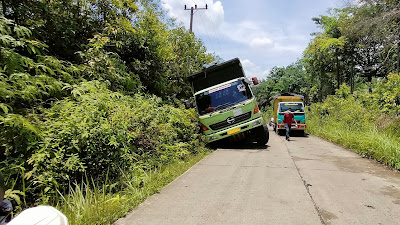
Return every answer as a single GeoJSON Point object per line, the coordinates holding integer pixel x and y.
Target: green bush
{"type": "Point", "coordinates": [98, 133]}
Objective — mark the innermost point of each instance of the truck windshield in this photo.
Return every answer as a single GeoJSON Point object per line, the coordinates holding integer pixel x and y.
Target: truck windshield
{"type": "Point", "coordinates": [295, 106]}
{"type": "Point", "coordinates": [222, 97]}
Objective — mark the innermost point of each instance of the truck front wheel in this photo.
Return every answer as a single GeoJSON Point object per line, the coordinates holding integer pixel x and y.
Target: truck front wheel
{"type": "Point", "coordinates": [213, 145]}
{"type": "Point", "coordinates": [261, 135]}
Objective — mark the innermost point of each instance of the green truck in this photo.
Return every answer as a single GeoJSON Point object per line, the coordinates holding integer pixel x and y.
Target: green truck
{"type": "Point", "coordinates": [225, 103]}
{"type": "Point", "coordinates": [281, 104]}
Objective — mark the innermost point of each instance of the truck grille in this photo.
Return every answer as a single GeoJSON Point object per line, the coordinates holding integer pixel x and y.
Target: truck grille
{"type": "Point", "coordinates": [237, 119]}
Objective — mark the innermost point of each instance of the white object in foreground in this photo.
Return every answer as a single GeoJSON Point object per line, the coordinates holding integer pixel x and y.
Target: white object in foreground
{"type": "Point", "coordinates": [40, 215]}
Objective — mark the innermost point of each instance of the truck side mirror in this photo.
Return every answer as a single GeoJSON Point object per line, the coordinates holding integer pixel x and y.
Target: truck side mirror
{"type": "Point", "coordinates": [255, 80]}
{"type": "Point", "coordinates": [187, 104]}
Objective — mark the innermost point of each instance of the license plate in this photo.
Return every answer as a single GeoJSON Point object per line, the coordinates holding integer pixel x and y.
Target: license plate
{"type": "Point", "coordinates": [233, 131]}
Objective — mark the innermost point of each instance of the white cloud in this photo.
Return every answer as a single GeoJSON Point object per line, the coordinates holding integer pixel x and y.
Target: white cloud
{"type": "Point", "coordinates": [261, 43]}
{"type": "Point", "coordinates": [247, 63]}
{"type": "Point", "coordinates": [265, 74]}
{"type": "Point", "coordinates": [252, 70]}
{"type": "Point", "coordinates": [264, 38]}
{"type": "Point", "coordinates": [264, 42]}
{"type": "Point", "coordinates": [205, 21]}
{"type": "Point", "coordinates": [298, 49]}
{"type": "Point", "coordinates": [275, 33]}
{"type": "Point", "coordinates": [243, 32]}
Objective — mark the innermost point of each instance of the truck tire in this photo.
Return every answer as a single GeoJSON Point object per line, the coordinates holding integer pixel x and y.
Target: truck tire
{"type": "Point", "coordinates": [212, 145]}
{"type": "Point", "coordinates": [262, 135]}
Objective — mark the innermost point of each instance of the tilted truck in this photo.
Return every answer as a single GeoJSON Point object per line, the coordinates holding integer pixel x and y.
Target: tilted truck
{"type": "Point", "coordinates": [281, 104]}
{"type": "Point", "coordinates": [225, 103]}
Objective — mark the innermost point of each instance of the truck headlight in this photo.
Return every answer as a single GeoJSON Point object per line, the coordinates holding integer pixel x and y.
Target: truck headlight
{"type": "Point", "coordinates": [256, 123]}
{"type": "Point", "coordinates": [212, 138]}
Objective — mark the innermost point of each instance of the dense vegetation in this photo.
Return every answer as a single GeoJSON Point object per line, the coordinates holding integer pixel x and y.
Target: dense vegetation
{"type": "Point", "coordinates": [90, 95]}
{"type": "Point", "coordinates": [349, 74]}
{"type": "Point", "coordinates": [366, 123]}
{"type": "Point", "coordinates": [91, 118]}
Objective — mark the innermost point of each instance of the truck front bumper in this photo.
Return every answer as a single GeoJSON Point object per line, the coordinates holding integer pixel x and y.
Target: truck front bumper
{"type": "Point", "coordinates": [240, 128]}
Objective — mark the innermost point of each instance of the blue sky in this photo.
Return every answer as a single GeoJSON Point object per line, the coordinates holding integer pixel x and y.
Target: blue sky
{"type": "Point", "coordinates": [262, 34]}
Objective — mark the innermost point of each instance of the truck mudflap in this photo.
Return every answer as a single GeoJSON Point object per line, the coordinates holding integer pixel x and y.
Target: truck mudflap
{"type": "Point", "coordinates": [299, 126]}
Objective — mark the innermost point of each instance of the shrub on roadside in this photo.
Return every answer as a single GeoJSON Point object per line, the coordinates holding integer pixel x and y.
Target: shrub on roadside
{"type": "Point", "coordinates": [99, 134]}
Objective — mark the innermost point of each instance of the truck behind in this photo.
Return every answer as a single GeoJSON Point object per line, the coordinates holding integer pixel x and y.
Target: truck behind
{"type": "Point", "coordinates": [281, 104]}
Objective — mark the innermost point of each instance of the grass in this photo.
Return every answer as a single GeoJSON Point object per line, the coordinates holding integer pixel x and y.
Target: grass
{"type": "Point", "coordinates": [371, 143]}
{"type": "Point", "coordinates": [88, 204]}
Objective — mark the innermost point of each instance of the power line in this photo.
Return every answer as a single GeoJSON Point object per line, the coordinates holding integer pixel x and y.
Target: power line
{"type": "Point", "coordinates": [208, 35]}
{"type": "Point", "coordinates": [193, 10]}
{"type": "Point", "coordinates": [195, 56]}
{"type": "Point", "coordinates": [212, 22]}
{"type": "Point", "coordinates": [196, 28]}
{"type": "Point", "coordinates": [216, 35]}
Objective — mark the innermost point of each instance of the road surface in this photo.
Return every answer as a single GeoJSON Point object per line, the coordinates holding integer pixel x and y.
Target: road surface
{"type": "Point", "coordinates": [304, 181]}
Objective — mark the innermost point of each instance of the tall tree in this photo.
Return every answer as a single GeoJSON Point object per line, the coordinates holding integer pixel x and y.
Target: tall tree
{"type": "Point", "coordinates": [374, 27]}
{"type": "Point", "coordinates": [66, 25]}
{"type": "Point", "coordinates": [290, 79]}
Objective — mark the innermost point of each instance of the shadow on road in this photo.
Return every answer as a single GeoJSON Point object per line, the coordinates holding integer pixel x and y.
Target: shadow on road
{"type": "Point", "coordinates": [293, 133]}
{"type": "Point", "coordinates": [240, 145]}
{"type": "Point", "coordinates": [248, 144]}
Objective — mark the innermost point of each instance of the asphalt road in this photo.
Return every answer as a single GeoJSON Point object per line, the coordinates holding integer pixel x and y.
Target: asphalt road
{"type": "Point", "coordinates": [304, 181]}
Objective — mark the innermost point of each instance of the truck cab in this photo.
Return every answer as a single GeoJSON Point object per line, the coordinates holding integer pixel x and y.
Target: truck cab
{"type": "Point", "coordinates": [225, 103]}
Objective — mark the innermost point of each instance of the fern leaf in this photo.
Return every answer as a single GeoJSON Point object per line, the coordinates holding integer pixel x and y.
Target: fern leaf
{"type": "Point", "coordinates": [45, 69]}
{"type": "Point", "coordinates": [22, 32]}
{"type": "Point", "coordinates": [7, 40]}
{"type": "Point", "coordinates": [5, 107]}
{"type": "Point", "coordinates": [27, 62]}
{"type": "Point", "coordinates": [14, 195]}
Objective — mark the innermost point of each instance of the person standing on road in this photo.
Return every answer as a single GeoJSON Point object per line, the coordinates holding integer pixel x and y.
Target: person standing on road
{"type": "Point", "coordinates": [288, 118]}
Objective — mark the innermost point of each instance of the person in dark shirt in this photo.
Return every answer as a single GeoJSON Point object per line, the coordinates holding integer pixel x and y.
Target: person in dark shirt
{"type": "Point", "coordinates": [5, 205]}
{"type": "Point", "coordinates": [2, 187]}
{"type": "Point", "coordinates": [288, 119]}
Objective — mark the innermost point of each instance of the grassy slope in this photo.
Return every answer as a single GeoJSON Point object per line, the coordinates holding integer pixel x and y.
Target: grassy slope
{"type": "Point", "coordinates": [370, 143]}
{"type": "Point", "coordinates": [86, 205]}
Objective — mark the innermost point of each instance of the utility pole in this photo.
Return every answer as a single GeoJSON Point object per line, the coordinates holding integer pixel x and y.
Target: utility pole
{"type": "Point", "coordinates": [191, 15]}
{"type": "Point", "coordinates": [191, 27]}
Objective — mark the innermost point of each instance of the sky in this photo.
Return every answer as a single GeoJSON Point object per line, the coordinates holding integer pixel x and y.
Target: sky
{"type": "Point", "coordinates": [261, 33]}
